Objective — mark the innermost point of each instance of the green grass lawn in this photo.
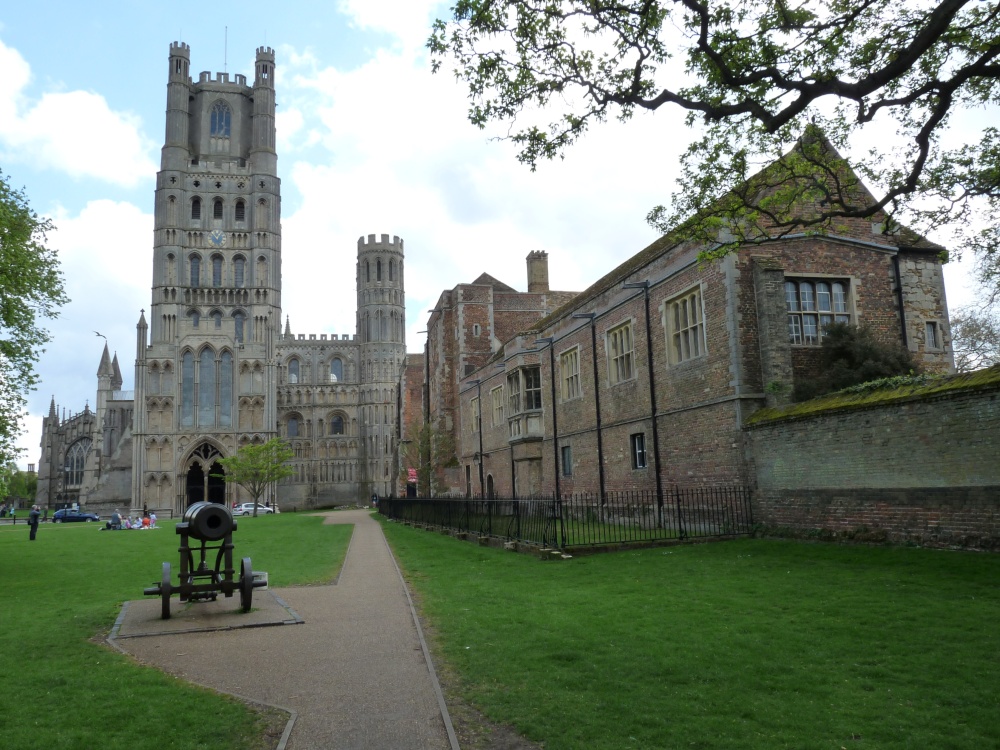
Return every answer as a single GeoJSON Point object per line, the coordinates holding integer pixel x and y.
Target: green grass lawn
{"type": "Point", "coordinates": [61, 688]}
{"type": "Point", "coordinates": [744, 644]}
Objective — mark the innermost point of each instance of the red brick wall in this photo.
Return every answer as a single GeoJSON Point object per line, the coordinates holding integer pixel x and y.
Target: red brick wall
{"type": "Point", "coordinates": [925, 470]}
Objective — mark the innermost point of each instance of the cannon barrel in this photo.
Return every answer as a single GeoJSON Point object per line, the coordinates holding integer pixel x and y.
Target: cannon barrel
{"type": "Point", "coordinates": [208, 522]}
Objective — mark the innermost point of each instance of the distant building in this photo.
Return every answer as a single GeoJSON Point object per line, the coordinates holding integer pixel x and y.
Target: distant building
{"type": "Point", "coordinates": [645, 379]}
{"type": "Point", "coordinates": [214, 369]}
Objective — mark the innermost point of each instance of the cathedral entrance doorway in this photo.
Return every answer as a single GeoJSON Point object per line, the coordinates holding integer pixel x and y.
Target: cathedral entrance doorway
{"type": "Point", "coordinates": [204, 477]}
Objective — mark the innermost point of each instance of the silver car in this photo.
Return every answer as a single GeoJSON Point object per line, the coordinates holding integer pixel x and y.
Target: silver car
{"type": "Point", "coordinates": [246, 509]}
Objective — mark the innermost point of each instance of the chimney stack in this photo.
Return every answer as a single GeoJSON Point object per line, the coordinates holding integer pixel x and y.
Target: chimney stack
{"type": "Point", "coordinates": [538, 271]}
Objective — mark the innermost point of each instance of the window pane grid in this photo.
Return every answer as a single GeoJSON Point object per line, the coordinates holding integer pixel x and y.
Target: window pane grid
{"type": "Point", "coordinates": [803, 299]}
{"type": "Point", "coordinates": [687, 327]}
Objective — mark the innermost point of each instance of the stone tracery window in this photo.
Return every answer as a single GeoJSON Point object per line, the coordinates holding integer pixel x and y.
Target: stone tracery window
{"type": "Point", "coordinates": [221, 120]}
{"type": "Point", "coordinates": [814, 304]}
{"type": "Point", "coordinates": [76, 460]}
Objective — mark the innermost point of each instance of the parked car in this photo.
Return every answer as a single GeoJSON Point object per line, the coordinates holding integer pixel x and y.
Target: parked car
{"type": "Point", "coordinates": [246, 509]}
{"type": "Point", "coordinates": [68, 514]}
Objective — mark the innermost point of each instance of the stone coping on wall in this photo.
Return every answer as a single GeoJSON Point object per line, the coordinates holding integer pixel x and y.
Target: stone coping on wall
{"type": "Point", "coordinates": [931, 388]}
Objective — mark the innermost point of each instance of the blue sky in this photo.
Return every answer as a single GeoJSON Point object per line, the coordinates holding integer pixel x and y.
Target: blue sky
{"type": "Point", "coordinates": [368, 142]}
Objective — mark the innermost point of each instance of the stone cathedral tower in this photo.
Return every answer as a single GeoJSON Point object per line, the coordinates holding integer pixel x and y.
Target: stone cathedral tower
{"type": "Point", "coordinates": [214, 370]}
{"type": "Point", "coordinates": [205, 359]}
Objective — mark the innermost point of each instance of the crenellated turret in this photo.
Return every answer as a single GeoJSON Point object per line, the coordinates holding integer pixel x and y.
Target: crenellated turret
{"type": "Point", "coordinates": [176, 142]}
{"type": "Point", "coordinates": [262, 150]}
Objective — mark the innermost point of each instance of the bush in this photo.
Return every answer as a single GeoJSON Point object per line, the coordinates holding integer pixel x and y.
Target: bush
{"type": "Point", "coordinates": [851, 355]}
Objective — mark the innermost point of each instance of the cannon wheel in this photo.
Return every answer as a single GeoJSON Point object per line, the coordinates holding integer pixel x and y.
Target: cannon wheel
{"type": "Point", "coordinates": [165, 591]}
{"type": "Point", "coordinates": [246, 584]}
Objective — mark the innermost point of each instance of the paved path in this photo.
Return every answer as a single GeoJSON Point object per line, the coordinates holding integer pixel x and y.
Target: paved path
{"type": "Point", "coordinates": [357, 673]}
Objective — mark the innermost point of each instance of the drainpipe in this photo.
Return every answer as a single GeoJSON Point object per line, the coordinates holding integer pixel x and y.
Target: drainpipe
{"type": "Point", "coordinates": [644, 285]}
{"type": "Point", "coordinates": [552, 388]}
{"type": "Point", "coordinates": [592, 317]}
{"type": "Point", "coordinates": [899, 297]}
{"type": "Point", "coordinates": [479, 398]}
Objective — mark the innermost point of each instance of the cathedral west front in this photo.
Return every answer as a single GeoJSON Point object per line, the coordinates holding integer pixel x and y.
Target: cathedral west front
{"type": "Point", "coordinates": [216, 367]}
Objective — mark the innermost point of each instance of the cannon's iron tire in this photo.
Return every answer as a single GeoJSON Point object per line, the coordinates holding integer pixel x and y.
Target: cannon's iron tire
{"type": "Point", "coordinates": [165, 591]}
{"type": "Point", "coordinates": [246, 584]}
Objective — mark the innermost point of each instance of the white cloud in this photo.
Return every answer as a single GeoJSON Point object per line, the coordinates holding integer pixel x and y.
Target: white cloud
{"type": "Point", "coordinates": [74, 132]}
{"type": "Point", "coordinates": [105, 253]}
{"type": "Point", "coordinates": [407, 20]}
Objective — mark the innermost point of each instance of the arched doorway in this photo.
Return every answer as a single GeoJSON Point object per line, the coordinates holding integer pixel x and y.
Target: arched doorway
{"type": "Point", "coordinates": [195, 485]}
{"type": "Point", "coordinates": [489, 487]}
{"type": "Point", "coordinates": [203, 480]}
{"type": "Point", "coordinates": [216, 484]}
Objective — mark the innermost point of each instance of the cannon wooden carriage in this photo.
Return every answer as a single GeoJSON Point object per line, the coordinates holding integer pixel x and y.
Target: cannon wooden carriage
{"type": "Point", "coordinates": [212, 525]}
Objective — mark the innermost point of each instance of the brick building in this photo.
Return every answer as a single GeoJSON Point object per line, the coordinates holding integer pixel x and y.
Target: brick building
{"type": "Point", "coordinates": [645, 379]}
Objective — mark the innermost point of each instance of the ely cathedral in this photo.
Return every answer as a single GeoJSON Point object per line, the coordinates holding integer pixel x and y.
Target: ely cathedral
{"type": "Point", "coordinates": [215, 367]}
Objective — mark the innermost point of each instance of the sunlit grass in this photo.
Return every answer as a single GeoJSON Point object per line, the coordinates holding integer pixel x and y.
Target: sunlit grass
{"type": "Point", "coordinates": [63, 689]}
{"type": "Point", "coordinates": [745, 644]}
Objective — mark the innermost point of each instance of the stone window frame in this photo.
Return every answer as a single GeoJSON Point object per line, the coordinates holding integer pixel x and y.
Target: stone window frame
{"type": "Point", "coordinates": [637, 449]}
{"type": "Point", "coordinates": [686, 340]}
{"type": "Point", "coordinates": [476, 414]}
{"type": "Point", "coordinates": [76, 462]}
{"type": "Point", "coordinates": [847, 314]}
{"type": "Point", "coordinates": [619, 347]}
{"type": "Point", "coordinates": [566, 460]}
{"type": "Point", "coordinates": [933, 335]}
{"type": "Point", "coordinates": [496, 394]}
{"type": "Point", "coordinates": [220, 119]}
{"type": "Point", "coordinates": [570, 386]}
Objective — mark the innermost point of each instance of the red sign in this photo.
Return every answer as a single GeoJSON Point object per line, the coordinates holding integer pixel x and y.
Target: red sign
{"type": "Point", "coordinates": [411, 475]}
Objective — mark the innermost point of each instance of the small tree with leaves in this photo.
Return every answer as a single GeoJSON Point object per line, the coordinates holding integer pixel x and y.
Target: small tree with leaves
{"type": "Point", "coordinates": [31, 288]}
{"type": "Point", "coordinates": [851, 355]}
{"type": "Point", "coordinates": [255, 466]}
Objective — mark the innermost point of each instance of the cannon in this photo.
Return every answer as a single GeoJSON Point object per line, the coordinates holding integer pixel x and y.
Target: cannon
{"type": "Point", "coordinates": [212, 525]}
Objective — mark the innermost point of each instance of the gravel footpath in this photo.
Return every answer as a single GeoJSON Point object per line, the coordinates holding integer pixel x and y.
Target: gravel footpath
{"type": "Point", "coordinates": [357, 673]}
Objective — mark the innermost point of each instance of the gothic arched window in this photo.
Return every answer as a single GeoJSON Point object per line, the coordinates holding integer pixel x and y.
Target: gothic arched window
{"type": "Point", "coordinates": [337, 425]}
{"type": "Point", "coordinates": [226, 390]}
{"type": "Point", "coordinates": [241, 211]}
{"type": "Point", "coordinates": [368, 271]}
{"type": "Point", "coordinates": [222, 118]}
{"type": "Point", "coordinates": [336, 369]}
{"type": "Point", "coordinates": [196, 208]}
{"type": "Point", "coordinates": [216, 270]}
{"type": "Point", "coordinates": [195, 275]}
{"type": "Point", "coordinates": [378, 270]}
{"type": "Point", "coordinates": [240, 318]}
{"type": "Point", "coordinates": [187, 390]}
{"type": "Point", "coordinates": [217, 208]}
{"type": "Point", "coordinates": [217, 318]}
{"type": "Point", "coordinates": [392, 269]}
{"type": "Point", "coordinates": [293, 371]}
{"type": "Point", "coordinates": [293, 427]}
{"type": "Point", "coordinates": [239, 270]}
{"type": "Point", "coordinates": [195, 317]}
{"type": "Point", "coordinates": [76, 459]}
{"type": "Point", "coordinates": [206, 388]}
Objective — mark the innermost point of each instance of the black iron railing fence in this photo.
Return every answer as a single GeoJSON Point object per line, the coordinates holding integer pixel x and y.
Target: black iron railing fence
{"type": "Point", "coordinates": [583, 520]}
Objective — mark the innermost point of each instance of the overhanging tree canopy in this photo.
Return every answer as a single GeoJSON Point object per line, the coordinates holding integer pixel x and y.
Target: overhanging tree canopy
{"type": "Point", "coordinates": [31, 287]}
{"type": "Point", "coordinates": [905, 88]}
{"type": "Point", "coordinates": [257, 465]}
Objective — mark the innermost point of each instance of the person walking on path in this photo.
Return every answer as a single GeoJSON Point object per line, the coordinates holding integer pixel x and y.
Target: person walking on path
{"type": "Point", "coordinates": [33, 521]}
{"type": "Point", "coordinates": [13, 515]}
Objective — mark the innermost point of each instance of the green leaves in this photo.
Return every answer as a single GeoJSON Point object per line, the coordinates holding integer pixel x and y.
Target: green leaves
{"type": "Point", "coordinates": [31, 287]}
{"type": "Point", "coordinates": [257, 465]}
{"type": "Point", "coordinates": [754, 76]}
